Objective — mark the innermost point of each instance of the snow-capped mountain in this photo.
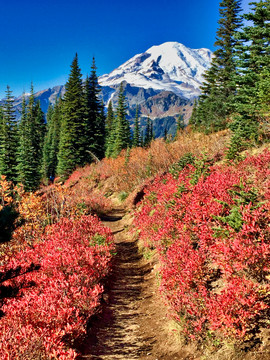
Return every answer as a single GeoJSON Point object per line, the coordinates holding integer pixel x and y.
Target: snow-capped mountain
{"type": "Point", "coordinates": [169, 67]}
{"type": "Point", "coordinates": [163, 81]}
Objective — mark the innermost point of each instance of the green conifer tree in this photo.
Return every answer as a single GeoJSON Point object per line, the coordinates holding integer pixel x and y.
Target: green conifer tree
{"type": "Point", "coordinates": [94, 117]}
{"type": "Point", "coordinates": [1, 125]}
{"type": "Point", "coordinates": [89, 122]}
{"type": "Point", "coordinates": [25, 150]}
{"type": "Point", "coordinates": [254, 64]}
{"type": "Point", "coordinates": [180, 125]}
{"type": "Point", "coordinates": [217, 101]}
{"type": "Point", "coordinates": [72, 133]}
{"type": "Point", "coordinates": [47, 144]}
{"type": "Point", "coordinates": [39, 132]}
{"type": "Point", "coordinates": [165, 136]}
{"type": "Point", "coordinates": [31, 135]}
{"type": "Point", "coordinates": [101, 132]}
{"type": "Point", "coordinates": [9, 138]}
{"type": "Point", "coordinates": [136, 135]}
{"type": "Point", "coordinates": [51, 142]}
{"type": "Point", "coordinates": [121, 131]}
{"type": "Point", "coordinates": [109, 118]}
{"type": "Point", "coordinates": [148, 137]}
{"type": "Point", "coordinates": [98, 110]}
{"type": "Point", "coordinates": [110, 130]}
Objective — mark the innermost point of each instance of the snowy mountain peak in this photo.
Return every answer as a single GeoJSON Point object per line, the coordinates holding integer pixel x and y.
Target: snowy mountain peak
{"type": "Point", "coordinates": [170, 66]}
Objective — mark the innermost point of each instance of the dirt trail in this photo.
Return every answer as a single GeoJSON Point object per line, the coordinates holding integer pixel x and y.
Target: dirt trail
{"type": "Point", "coordinates": [131, 325]}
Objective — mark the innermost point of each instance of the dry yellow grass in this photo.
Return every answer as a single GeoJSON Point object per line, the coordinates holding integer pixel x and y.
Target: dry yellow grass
{"type": "Point", "coordinates": [131, 168]}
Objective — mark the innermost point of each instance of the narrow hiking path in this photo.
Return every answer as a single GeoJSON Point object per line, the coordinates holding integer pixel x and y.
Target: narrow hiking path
{"type": "Point", "coordinates": [131, 325]}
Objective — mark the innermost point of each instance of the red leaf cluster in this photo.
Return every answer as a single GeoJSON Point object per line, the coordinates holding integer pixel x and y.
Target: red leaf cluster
{"type": "Point", "coordinates": [56, 290]}
{"type": "Point", "coordinates": [213, 240]}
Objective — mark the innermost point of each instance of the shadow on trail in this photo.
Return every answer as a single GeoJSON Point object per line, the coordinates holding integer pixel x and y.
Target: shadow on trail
{"type": "Point", "coordinates": [115, 333]}
{"type": "Point", "coordinates": [111, 218]}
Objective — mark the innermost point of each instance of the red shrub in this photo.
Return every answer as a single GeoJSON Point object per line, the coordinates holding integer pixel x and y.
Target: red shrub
{"type": "Point", "coordinates": [212, 236]}
{"type": "Point", "coordinates": [54, 302]}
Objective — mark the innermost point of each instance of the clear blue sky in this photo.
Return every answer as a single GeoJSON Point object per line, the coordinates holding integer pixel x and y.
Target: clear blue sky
{"type": "Point", "coordinates": [39, 38]}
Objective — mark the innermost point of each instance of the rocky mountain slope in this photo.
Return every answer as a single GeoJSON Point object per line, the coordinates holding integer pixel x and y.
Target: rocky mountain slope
{"type": "Point", "coordinates": [170, 67]}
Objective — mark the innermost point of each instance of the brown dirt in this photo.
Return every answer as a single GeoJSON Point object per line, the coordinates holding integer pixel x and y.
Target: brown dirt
{"type": "Point", "coordinates": [133, 320]}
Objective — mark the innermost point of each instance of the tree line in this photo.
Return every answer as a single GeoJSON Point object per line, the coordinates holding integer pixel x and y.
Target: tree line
{"type": "Point", "coordinates": [236, 91]}
{"type": "Point", "coordinates": [76, 131]}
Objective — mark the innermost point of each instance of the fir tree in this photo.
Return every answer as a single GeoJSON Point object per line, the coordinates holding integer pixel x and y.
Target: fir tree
{"type": "Point", "coordinates": [89, 122]}
{"type": "Point", "coordinates": [39, 132]}
{"type": "Point", "coordinates": [136, 135]}
{"type": "Point", "coordinates": [121, 133]}
{"type": "Point", "coordinates": [47, 144]}
{"type": "Point", "coordinates": [110, 130]}
{"type": "Point", "coordinates": [1, 125]}
{"type": "Point", "coordinates": [94, 118]}
{"type": "Point", "coordinates": [72, 134]}
{"type": "Point", "coordinates": [254, 85]}
{"type": "Point", "coordinates": [109, 119]}
{"type": "Point", "coordinates": [263, 95]}
{"type": "Point", "coordinates": [24, 149]}
{"type": "Point", "coordinates": [180, 125]}
{"type": "Point", "coordinates": [152, 135]}
{"type": "Point", "coordinates": [165, 136]}
{"type": "Point", "coordinates": [98, 109]}
{"type": "Point", "coordinates": [254, 54]}
{"type": "Point", "coordinates": [217, 101]}
{"type": "Point", "coordinates": [101, 132]}
{"type": "Point", "coordinates": [51, 143]}
{"type": "Point", "coordinates": [9, 138]}
{"type": "Point", "coordinates": [31, 135]}
{"type": "Point", "coordinates": [193, 118]}
{"type": "Point", "coordinates": [149, 135]}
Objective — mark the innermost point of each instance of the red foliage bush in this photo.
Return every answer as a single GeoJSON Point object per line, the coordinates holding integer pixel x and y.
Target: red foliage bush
{"type": "Point", "coordinates": [58, 289]}
{"type": "Point", "coordinates": [210, 225]}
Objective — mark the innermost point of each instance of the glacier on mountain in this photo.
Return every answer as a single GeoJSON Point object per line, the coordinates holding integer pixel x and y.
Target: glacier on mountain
{"type": "Point", "coordinates": [170, 66]}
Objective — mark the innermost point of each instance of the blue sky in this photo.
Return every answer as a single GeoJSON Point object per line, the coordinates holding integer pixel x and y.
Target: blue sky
{"type": "Point", "coordinates": [40, 38]}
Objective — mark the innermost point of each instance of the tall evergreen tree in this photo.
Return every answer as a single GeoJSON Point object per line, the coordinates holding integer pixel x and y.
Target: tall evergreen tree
{"type": "Point", "coordinates": [97, 109]}
{"type": "Point", "coordinates": [39, 129]}
{"type": "Point", "coordinates": [254, 84]}
{"type": "Point", "coordinates": [100, 134]}
{"type": "Point", "coordinates": [31, 137]}
{"type": "Point", "coordinates": [89, 122]}
{"type": "Point", "coordinates": [47, 144]}
{"type": "Point", "coordinates": [110, 130]}
{"type": "Point", "coordinates": [109, 118]}
{"type": "Point", "coordinates": [136, 135]}
{"type": "Point", "coordinates": [94, 117]}
{"type": "Point", "coordinates": [9, 138]}
{"type": "Point", "coordinates": [218, 91]}
{"type": "Point", "coordinates": [149, 135]}
{"type": "Point", "coordinates": [180, 125]}
{"type": "Point", "coordinates": [51, 142]}
{"type": "Point", "coordinates": [25, 150]}
{"type": "Point", "coordinates": [165, 135]}
{"type": "Point", "coordinates": [72, 134]}
{"type": "Point", "coordinates": [1, 125]}
{"type": "Point", "coordinates": [121, 131]}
